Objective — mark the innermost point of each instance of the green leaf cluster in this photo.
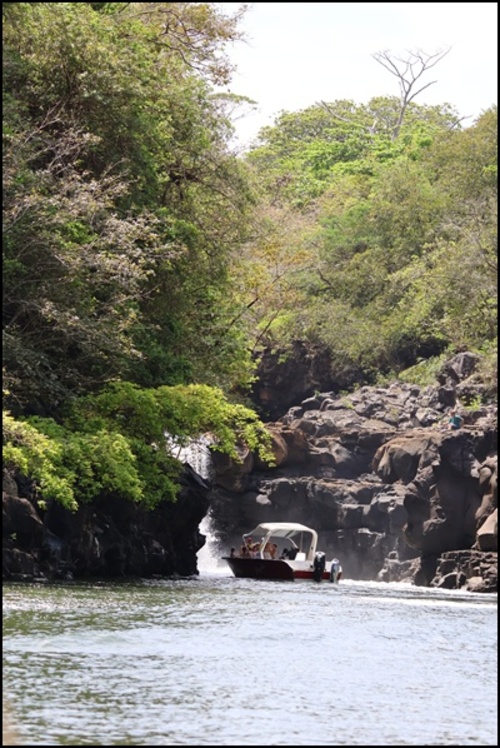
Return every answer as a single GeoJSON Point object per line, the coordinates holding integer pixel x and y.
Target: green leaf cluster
{"type": "Point", "coordinates": [125, 442]}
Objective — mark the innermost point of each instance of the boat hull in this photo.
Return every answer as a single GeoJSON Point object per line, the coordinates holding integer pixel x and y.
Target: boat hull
{"type": "Point", "coordinates": [263, 568]}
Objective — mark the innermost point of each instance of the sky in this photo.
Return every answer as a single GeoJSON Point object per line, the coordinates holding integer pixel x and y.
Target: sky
{"type": "Point", "coordinates": [297, 54]}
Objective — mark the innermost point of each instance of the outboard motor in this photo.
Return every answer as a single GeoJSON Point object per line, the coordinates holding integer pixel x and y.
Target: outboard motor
{"type": "Point", "coordinates": [335, 570]}
{"type": "Point", "coordinates": [319, 566]}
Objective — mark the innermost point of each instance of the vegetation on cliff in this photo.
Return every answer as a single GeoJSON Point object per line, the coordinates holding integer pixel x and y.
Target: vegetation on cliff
{"type": "Point", "coordinates": [396, 256]}
{"type": "Point", "coordinates": [123, 441]}
{"type": "Point", "coordinates": [146, 264]}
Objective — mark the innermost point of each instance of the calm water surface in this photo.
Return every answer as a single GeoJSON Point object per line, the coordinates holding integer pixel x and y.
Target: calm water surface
{"type": "Point", "coordinates": [216, 660]}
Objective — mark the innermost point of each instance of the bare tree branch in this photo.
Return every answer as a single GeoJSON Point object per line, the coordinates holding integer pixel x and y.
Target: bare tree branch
{"type": "Point", "coordinates": [408, 72]}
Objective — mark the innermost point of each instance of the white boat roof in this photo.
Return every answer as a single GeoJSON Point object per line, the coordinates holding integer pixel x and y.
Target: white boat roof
{"type": "Point", "coordinates": [280, 529]}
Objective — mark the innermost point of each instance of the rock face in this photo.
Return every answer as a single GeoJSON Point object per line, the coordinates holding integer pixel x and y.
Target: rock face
{"type": "Point", "coordinates": [391, 491]}
{"type": "Point", "coordinates": [286, 379]}
{"type": "Point", "coordinates": [110, 538]}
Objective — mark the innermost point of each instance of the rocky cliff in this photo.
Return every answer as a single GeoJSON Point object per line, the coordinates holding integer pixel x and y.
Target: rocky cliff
{"type": "Point", "coordinates": [110, 538]}
{"type": "Point", "coordinates": [392, 491]}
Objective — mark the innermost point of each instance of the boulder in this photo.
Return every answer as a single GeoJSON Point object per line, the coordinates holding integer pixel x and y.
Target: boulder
{"type": "Point", "coordinates": [487, 535]}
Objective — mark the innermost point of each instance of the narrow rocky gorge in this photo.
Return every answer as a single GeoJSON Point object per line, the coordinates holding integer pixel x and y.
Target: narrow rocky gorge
{"type": "Point", "coordinates": [392, 492]}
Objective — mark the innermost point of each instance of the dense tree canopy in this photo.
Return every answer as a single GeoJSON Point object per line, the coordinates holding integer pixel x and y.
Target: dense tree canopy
{"type": "Point", "coordinates": [399, 259]}
{"type": "Point", "coordinates": [123, 204]}
{"type": "Point", "coordinates": [123, 208]}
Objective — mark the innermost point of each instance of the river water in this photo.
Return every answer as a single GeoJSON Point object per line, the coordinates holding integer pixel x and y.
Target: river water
{"type": "Point", "coordinates": [214, 660]}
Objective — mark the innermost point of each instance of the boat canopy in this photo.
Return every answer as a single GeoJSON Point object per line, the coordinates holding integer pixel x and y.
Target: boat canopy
{"type": "Point", "coordinates": [280, 529]}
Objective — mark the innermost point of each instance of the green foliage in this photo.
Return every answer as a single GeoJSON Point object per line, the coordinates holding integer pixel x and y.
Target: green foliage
{"type": "Point", "coordinates": [182, 412]}
{"type": "Point", "coordinates": [487, 368]}
{"type": "Point", "coordinates": [122, 202]}
{"type": "Point", "coordinates": [39, 457]}
{"type": "Point", "coordinates": [124, 440]}
{"type": "Point", "coordinates": [424, 372]}
{"type": "Point", "coordinates": [402, 263]}
{"type": "Point", "coordinates": [471, 404]}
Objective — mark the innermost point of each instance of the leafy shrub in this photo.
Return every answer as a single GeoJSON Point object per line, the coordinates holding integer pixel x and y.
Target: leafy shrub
{"type": "Point", "coordinates": [424, 372]}
{"type": "Point", "coordinates": [120, 442]}
{"type": "Point", "coordinates": [38, 456]}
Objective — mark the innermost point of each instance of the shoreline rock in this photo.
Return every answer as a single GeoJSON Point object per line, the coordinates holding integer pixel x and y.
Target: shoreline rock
{"type": "Point", "coordinates": [110, 538]}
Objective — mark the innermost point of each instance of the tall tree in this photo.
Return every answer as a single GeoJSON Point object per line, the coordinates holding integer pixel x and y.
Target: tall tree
{"type": "Point", "coordinates": [393, 218]}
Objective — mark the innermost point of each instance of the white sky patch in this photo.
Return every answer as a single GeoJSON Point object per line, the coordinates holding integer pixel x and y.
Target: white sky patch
{"type": "Point", "coordinates": [298, 54]}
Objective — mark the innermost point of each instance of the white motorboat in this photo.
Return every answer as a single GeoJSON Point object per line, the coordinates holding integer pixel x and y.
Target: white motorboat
{"type": "Point", "coordinates": [282, 550]}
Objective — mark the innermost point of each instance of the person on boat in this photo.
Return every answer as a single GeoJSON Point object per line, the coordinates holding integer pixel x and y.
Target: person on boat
{"type": "Point", "coordinates": [319, 564]}
{"type": "Point", "coordinates": [270, 550]}
{"type": "Point", "coordinates": [232, 553]}
{"type": "Point", "coordinates": [244, 550]}
{"type": "Point", "coordinates": [289, 553]}
{"type": "Point", "coordinates": [254, 550]}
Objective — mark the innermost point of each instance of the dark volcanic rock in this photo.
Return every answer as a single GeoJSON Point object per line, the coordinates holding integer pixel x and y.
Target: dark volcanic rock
{"type": "Point", "coordinates": [287, 378]}
{"type": "Point", "coordinates": [392, 491]}
{"type": "Point", "coordinates": [108, 538]}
